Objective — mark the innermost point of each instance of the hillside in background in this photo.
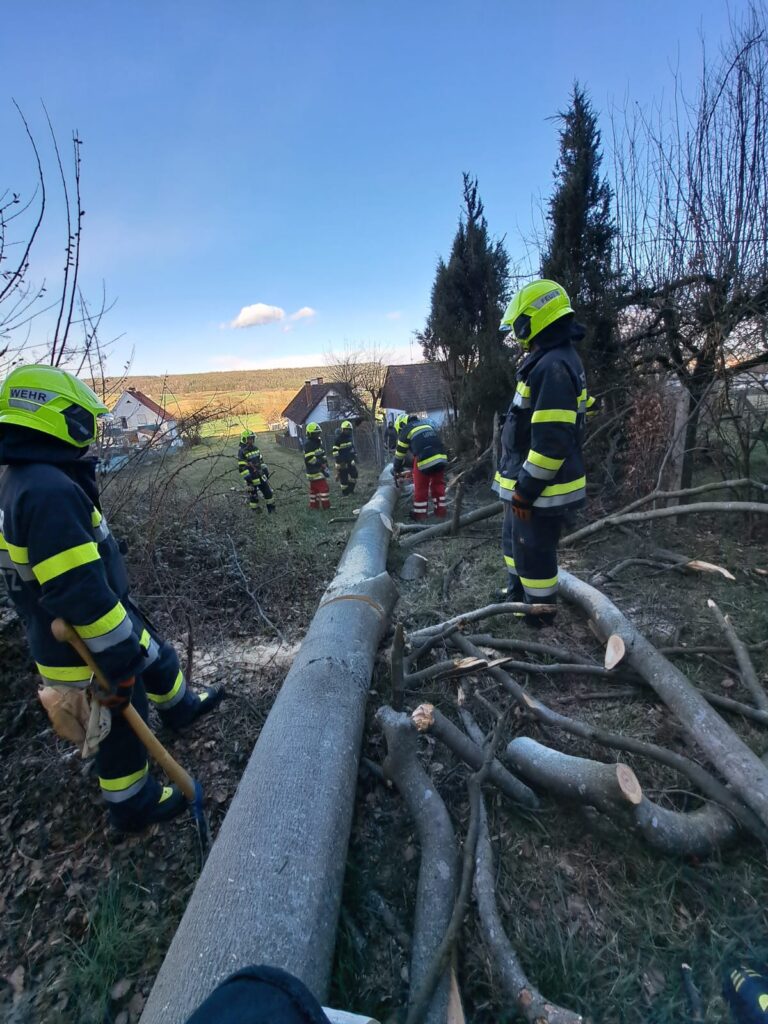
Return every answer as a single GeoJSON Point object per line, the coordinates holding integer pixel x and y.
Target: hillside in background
{"type": "Point", "coordinates": [241, 393]}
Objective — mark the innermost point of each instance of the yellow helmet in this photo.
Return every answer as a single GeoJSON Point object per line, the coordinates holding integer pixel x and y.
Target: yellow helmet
{"type": "Point", "coordinates": [53, 402]}
{"type": "Point", "coordinates": [313, 428]}
{"type": "Point", "coordinates": [533, 308]}
{"type": "Point", "coordinates": [401, 420]}
{"type": "Point", "coordinates": [346, 425]}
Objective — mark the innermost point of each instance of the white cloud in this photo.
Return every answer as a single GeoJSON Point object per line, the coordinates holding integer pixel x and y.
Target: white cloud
{"type": "Point", "coordinates": [394, 315]}
{"type": "Point", "coordinates": [304, 313]}
{"type": "Point", "coordinates": [257, 314]}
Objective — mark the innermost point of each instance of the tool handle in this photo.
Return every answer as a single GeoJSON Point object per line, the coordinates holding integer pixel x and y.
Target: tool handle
{"type": "Point", "coordinates": [66, 634]}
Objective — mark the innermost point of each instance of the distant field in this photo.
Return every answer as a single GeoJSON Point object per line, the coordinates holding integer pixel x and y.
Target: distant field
{"type": "Point", "coordinates": [235, 398]}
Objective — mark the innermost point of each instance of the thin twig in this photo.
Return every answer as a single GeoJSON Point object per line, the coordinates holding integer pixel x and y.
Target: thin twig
{"type": "Point", "coordinates": [250, 593]}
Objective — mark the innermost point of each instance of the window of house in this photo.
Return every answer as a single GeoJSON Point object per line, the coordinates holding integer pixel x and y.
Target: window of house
{"type": "Point", "coordinates": [334, 404]}
{"type": "Point", "coordinates": [124, 422]}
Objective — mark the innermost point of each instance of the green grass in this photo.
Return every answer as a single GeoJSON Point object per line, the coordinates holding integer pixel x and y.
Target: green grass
{"type": "Point", "coordinates": [232, 426]}
{"type": "Point", "coordinates": [114, 947]}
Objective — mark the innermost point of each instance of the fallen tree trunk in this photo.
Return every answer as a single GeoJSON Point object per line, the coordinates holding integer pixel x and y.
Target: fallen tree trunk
{"type": "Point", "coordinates": [438, 866]}
{"type": "Point", "coordinates": [270, 890]}
{"type": "Point", "coordinates": [443, 529]}
{"type": "Point", "coordinates": [739, 766]}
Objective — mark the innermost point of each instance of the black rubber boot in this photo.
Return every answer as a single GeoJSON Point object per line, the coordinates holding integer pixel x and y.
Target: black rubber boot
{"type": "Point", "coordinates": [206, 701]}
{"type": "Point", "coordinates": [165, 804]}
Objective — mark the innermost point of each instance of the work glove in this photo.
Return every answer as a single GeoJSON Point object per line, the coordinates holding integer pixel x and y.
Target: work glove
{"type": "Point", "coordinates": [119, 694]}
{"type": "Point", "coordinates": [521, 507]}
{"type": "Point", "coordinates": [265, 472]}
{"type": "Point", "coordinates": [326, 472]}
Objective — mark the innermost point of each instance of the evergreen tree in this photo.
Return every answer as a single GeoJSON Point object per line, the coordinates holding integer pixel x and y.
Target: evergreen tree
{"type": "Point", "coordinates": [579, 250]}
{"type": "Point", "coordinates": [462, 330]}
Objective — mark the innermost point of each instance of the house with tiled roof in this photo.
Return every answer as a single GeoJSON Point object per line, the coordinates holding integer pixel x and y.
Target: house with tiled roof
{"type": "Point", "coordinates": [135, 411]}
{"type": "Point", "coordinates": [419, 388]}
{"type": "Point", "coordinates": [317, 401]}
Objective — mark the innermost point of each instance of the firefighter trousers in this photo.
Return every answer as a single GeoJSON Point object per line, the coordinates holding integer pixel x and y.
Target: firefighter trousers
{"type": "Point", "coordinates": [260, 484]}
{"type": "Point", "coordinates": [121, 761]}
{"type": "Point", "coordinates": [530, 555]}
{"type": "Point", "coordinates": [319, 494]}
{"type": "Point", "coordinates": [347, 472]}
{"type": "Point", "coordinates": [426, 485]}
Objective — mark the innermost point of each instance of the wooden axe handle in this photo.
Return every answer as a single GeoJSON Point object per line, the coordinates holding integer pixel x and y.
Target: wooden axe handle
{"type": "Point", "coordinates": [66, 634]}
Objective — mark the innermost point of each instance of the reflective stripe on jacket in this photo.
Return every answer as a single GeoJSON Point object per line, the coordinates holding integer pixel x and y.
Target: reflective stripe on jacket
{"type": "Point", "coordinates": [249, 462]}
{"type": "Point", "coordinates": [315, 459]}
{"type": "Point", "coordinates": [542, 434]}
{"type": "Point", "coordinates": [59, 558]}
{"type": "Point", "coordinates": [424, 442]}
{"type": "Point", "coordinates": [343, 446]}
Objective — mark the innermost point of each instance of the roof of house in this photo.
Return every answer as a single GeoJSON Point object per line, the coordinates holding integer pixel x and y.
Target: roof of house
{"type": "Point", "coordinates": [415, 387]}
{"type": "Point", "coordinates": [150, 404]}
{"type": "Point", "coordinates": [308, 396]}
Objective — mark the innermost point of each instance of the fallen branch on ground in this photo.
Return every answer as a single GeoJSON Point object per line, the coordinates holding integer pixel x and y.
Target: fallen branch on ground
{"type": "Point", "coordinates": [421, 996]}
{"type": "Point", "coordinates": [427, 718]}
{"type": "Point", "coordinates": [484, 512]}
{"type": "Point", "coordinates": [748, 674]}
{"type": "Point", "coordinates": [530, 1003]}
{"type": "Point", "coordinates": [396, 669]}
{"type": "Point", "coordinates": [699, 776]}
{"type": "Point", "coordinates": [438, 867]}
{"type": "Point", "coordinates": [664, 513]}
{"type": "Point", "coordinates": [614, 790]}
{"type": "Point", "coordinates": [488, 612]}
{"type": "Point", "coordinates": [739, 766]}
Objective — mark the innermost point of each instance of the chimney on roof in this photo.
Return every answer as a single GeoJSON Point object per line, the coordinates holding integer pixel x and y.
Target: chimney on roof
{"type": "Point", "coordinates": [308, 392]}
{"type": "Point", "coordinates": [132, 389]}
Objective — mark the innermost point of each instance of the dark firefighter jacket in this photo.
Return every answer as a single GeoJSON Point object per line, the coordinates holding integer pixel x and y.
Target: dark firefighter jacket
{"type": "Point", "coordinates": [542, 434]}
{"type": "Point", "coordinates": [424, 442]}
{"type": "Point", "coordinates": [343, 446]}
{"type": "Point", "coordinates": [315, 459]}
{"type": "Point", "coordinates": [59, 558]}
{"type": "Point", "coordinates": [250, 464]}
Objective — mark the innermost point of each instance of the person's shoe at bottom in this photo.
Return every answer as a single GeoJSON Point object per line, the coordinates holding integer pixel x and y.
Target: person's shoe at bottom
{"type": "Point", "coordinates": [154, 805]}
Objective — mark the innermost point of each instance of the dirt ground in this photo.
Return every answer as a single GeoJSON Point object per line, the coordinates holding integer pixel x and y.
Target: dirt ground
{"type": "Point", "coordinates": [600, 922]}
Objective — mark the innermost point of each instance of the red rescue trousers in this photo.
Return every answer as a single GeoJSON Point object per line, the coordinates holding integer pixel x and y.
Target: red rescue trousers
{"type": "Point", "coordinates": [319, 494]}
{"type": "Point", "coordinates": [426, 485]}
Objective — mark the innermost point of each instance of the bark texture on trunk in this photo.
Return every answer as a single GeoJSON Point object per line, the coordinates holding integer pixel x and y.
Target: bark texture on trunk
{"type": "Point", "coordinates": [270, 890]}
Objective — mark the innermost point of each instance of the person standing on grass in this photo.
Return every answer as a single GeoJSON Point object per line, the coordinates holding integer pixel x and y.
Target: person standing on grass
{"type": "Point", "coordinates": [254, 472]}
{"type": "Point", "coordinates": [429, 462]}
{"type": "Point", "coordinates": [345, 457]}
{"type": "Point", "coordinates": [59, 559]}
{"type": "Point", "coordinates": [541, 470]}
{"type": "Point", "coordinates": [316, 466]}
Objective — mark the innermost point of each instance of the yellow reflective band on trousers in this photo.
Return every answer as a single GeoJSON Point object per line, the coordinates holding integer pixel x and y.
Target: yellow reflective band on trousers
{"type": "Point", "coordinates": [421, 463]}
{"type": "Point", "coordinates": [539, 588]}
{"type": "Point", "coordinates": [176, 691]}
{"type": "Point", "coordinates": [96, 517]}
{"type": "Point", "coordinates": [544, 460]}
{"type": "Point", "coordinates": [65, 561]}
{"type": "Point", "coordinates": [117, 790]}
{"type": "Point", "coordinates": [554, 416]}
{"type": "Point", "coordinates": [74, 674]}
{"type": "Point", "coordinates": [103, 625]}
{"type": "Point", "coordinates": [523, 389]}
{"type": "Point", "coordinates": [509, 561]}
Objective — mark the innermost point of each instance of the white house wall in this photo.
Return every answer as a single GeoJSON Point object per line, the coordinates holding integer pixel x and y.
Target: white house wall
{"type": "Point", "coordinates": [320, 413]}
{"type": "Point", "coordinates": [136, 414]}
{"type": "Point", "coordinates": [437, 416]}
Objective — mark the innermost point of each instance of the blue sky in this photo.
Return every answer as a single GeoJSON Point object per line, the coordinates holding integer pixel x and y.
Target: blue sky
{"type": "Point", "coordinates": [307, 156]}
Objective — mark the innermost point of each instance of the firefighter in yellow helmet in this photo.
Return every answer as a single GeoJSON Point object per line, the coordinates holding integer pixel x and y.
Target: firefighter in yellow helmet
{"type": "Point", "coordinates": [541, 470]}
{"type": "Point", "coordinates": [59, 558]}
{"type": "Point", "coordinates": [255, 472]}
{"type": "Point", "coordinates": [345, 456]}
{"type": "Point", "coordinates": [316, 468]}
